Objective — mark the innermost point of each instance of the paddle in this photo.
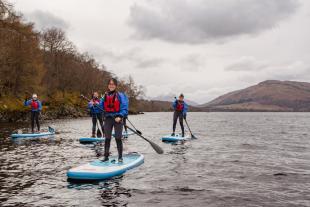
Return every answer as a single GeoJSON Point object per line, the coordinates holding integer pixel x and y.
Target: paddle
{"type": "Point", "coordinates": [99, 132]}
{"type": "Point", "coordinates": [157, 148]}
{"type": "Point", "coordinates": [139, 132]}
{"type": "Point", "coordinates": [50, 129]}
{"type": "Point", "coordinates": [193, 136]}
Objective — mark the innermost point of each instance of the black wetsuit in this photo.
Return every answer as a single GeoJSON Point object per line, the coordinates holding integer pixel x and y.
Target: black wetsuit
{"type": "Point", "coordinates": [176, 115]}
{"type": "Point", "coordinates": [35, 118]}
{"type": "Point", "coordinates": [109, 124]}
{"type": "Point", "coordinates": [96, 116]}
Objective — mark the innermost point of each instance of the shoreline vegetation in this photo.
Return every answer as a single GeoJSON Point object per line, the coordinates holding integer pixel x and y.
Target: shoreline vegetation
{"type": "Point", "coordinates": [49, 64]}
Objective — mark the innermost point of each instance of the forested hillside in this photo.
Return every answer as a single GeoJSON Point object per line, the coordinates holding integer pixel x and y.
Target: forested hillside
{"type": "Point", "coordinates": [49, 64]}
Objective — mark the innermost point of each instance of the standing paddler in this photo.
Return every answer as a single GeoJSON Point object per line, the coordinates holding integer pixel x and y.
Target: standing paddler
{"type": "Point", "coordinates": [115, 106]}
{"type": "Point", "coordinates": [36, 107]}
{"type": "Point", "coordinates": [180, 110]}
{"type": "Point", "coordinates": [96, 113]}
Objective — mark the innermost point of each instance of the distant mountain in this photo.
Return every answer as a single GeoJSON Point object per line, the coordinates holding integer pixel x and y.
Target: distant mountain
{"type": "Point", "coordinates": [170, 98]}
{"type": "Point", "coordinates": [270, 95]}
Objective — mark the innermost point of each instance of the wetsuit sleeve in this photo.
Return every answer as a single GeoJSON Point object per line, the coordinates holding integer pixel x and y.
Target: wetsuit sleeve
{"type": "Point", "coordinates": [174, 104]}
{"type": "Point", "coordinates": [124, 105]}
{"type": "Point", "coordinates": [40, 105]}
{"type": "Point", "coordinates": [90, 104]}
{"type": "Point", "coordinates": [102, 104]}
{"type": "Point", "coordinates": [27, 103]}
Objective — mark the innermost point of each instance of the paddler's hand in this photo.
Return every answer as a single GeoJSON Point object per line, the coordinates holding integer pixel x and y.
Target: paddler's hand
{"type": "Point", "coordinates": [118, 119]}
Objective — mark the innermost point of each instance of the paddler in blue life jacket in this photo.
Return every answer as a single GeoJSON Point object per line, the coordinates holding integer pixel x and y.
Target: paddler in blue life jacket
{"type": "Point", "coordinates": [36, 107]}
{"type": "Point", "coordinates": [180, 110]}
{"type": "Point", "coordinates": [96, 112]}
{"type": "Point", "coordinates": [115, 105]}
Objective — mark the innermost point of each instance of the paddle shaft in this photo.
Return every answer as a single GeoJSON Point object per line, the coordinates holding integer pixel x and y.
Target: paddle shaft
{"type": "Point", "coordinates": [189, 128]}
{"type": "Point", "coordinates": [133, 126]}
{"type": "Point", "coordinates": [99, 128]}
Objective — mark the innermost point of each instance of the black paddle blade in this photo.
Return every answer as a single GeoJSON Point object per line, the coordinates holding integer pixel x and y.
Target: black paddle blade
{"type": "Point", "coordinates": [157, 148]}
{"type": "Point", "coordinates": [194, 137]}
{"type": "Point", "coordinates": [99, 133]}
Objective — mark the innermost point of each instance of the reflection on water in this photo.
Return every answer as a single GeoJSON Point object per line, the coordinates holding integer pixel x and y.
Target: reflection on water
{"type": "Point", "coordinates": [239, 159]}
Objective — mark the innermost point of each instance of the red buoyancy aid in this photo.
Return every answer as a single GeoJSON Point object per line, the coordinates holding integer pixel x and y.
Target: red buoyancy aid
{"type": "Point", "coordinates": [111, 103]}
{"type": "Point", "coordinates": [179, 106]}
{"type": "Point", "coordinates": [34, 104]}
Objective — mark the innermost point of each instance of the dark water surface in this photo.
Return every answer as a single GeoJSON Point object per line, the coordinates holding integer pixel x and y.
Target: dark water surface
{"type": "Point", "coordinates": [240, 159]}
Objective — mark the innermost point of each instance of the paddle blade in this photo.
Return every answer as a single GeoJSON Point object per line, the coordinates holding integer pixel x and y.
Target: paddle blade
{"type": "Point", "coordinates": [50, 129]}
{"type": "Point", "coordinates": [139, 132]}
{"type": "Point", "coordinates": [194, 137]}
{"type": "Point", "coordinates": [157, 148]}
{"type": "Point", "coordinates": [99, 133]}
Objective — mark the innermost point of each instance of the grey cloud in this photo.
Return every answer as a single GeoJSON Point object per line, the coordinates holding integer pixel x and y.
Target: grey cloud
{"type": "Point", "coordinates": [44, 19]}
{"type": "Point", "coordinates": [196, 21]}
{"type": "Point", "coordinates": [133, 55]}
{"type": "Point", "coordinates": [254, 71]}
{"type": "Point", "coordinates": [246, 64]}
{"type": "Point", "coordinates": [152, 62]}
{"type": "Point", "coordinates": [191, 62]}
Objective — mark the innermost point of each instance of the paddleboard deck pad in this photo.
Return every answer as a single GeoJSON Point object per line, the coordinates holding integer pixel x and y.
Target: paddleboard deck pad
{"type": "Point", "coordinates": [98, 170]}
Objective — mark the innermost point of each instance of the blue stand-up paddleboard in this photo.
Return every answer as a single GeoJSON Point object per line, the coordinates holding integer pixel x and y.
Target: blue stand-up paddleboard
{"type": "Point", "coordinates": [176, 138]}
{"type": "Point", "coordinates": [125, 135]}
{"type": "Point", "coordinates": [90, 140]}
{"type": "Point", "coordinates": [98, 170]}
{"type": "Point", "coordinates": [50, 132]}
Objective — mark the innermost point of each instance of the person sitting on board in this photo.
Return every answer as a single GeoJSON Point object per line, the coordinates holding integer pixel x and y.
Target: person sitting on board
{"type": "Point", "coordinates": [180, 110]}
{"type": "Point", "coordinates": [96, 112]}
{"type": "Point", "coordinates": [115, 106]}
{"type": "Point", "coordinates": [36, 107]}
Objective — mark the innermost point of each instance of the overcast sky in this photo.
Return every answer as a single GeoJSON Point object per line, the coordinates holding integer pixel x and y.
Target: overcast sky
{"type": "Point", "coordinates": [203, 48]}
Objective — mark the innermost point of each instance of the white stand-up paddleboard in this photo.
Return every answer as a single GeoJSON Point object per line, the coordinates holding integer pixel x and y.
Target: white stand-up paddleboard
{"type": "Point", "coordinates": [98, 170]}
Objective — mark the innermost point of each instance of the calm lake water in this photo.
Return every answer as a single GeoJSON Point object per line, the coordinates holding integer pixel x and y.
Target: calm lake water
{"type": "Point", "coordinates": [239, 159]}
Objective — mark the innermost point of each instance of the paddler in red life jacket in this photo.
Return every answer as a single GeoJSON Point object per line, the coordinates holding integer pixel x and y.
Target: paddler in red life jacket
{"type": "Point", "coordinates": [96, 112]}
{"type": "Point", "coordinates": [36, 107]}
{"type": "Point", "coordinates": [180, 110]}
{"type": "Point", "coordinates": [115, 105]}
